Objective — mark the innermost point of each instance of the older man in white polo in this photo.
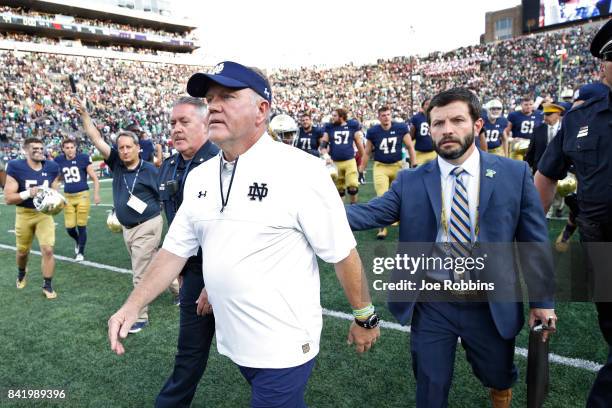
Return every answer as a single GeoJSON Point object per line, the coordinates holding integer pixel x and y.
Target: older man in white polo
{"type": "Point", "coordinates": [261, 231]}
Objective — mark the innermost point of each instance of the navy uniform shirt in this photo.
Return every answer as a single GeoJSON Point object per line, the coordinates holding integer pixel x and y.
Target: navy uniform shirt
{"type": "Point", "coordinates": [175, 168]}
{"type": "Point", "coordinates": [146, 149]}
{"type": "Point", "coordinates": [145, 188]}
{"type": "Point", "coordinates": [495, 131]}
{"type": "Point", "coordinates": [341, 139]}
{"type": "Point", "coordinates": [387, 143]}
{"type": "Point", "coordinates": [584, 140]}
{"type": "Point", "coordinates": [27, 177]}
{"type": "Point", "coordinates": [74, 172]}
{"type": "Point", "coordinates": [422, 137]}
{"type": "Point", "coordinates": [523, 125]}
{"type": "Point", "coordinates": [309, 141]}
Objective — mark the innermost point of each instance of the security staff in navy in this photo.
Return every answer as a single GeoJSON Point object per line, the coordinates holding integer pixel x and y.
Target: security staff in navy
{"type": "Point", "coordinates": [196, 330]}
{"type": "Point", "coordinates": [585, 141]}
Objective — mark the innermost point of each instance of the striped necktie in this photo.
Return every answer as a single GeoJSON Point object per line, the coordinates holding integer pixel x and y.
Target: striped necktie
{"type": "Point", "coordinates": [459, 231]}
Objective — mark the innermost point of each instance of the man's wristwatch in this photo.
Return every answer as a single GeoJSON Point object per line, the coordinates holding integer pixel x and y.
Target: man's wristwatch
{"type": "Point", "coordinates": [370, 323]}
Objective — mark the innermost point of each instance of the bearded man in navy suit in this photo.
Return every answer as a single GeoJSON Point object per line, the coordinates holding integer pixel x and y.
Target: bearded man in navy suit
{"type": "Point", "coordinates": [464, 199]}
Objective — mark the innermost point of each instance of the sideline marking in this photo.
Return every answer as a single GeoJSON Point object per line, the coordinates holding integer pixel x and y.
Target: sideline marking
{"type": "Point", "coordinates": [553, 358]}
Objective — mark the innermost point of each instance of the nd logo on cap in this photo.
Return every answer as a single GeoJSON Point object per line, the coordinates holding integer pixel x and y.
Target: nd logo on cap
{"type": "Point", "coordinates": [217, 69]}
{"type": "Point", "coordinates": [230, 75]}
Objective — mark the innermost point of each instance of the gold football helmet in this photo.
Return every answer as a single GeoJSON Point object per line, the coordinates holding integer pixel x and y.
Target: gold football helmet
{"type": "Point", "coordinates": [49, 201]}
{"type": "Point", "coordinates": [112, 222]}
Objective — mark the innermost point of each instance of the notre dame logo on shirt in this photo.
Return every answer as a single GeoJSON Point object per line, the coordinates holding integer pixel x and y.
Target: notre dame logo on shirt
{"type": "Point", "coordinates": [257, 191]}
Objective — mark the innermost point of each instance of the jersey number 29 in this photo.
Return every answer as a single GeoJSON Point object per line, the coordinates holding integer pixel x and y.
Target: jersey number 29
{"type": "Point", "coordinates": [71, 174]}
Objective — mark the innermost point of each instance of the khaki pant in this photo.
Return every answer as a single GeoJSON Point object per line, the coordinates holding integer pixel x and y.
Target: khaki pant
{"type": "Point", "coordinates": [30, 223]}
{"type": "Point", "coordinates": [384, 175]}
{"type": "Point", "coordinates": [498, 151]}
{"type": "Point", "coordinates": [348, 176]}
{"type": "Point", "coordinates": [76, 212]}
{"type": "Point", "coordinates": [142, 242]}
{"type": "Point", "coordinates": [424, 157]}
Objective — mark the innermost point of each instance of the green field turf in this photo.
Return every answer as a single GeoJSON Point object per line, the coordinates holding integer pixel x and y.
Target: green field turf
{"type": "Point", "coordinates": [62, 344]}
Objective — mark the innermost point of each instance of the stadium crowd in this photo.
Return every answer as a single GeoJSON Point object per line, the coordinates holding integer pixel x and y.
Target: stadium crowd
{"type": "Point", "coordinates": [22, 37]}
{"type": "Point", "coordinates": [96, 23]}
{"type": "Point", "coordinates": [36, 93]}
{"type": "Point", "coordinates": [505, 70]}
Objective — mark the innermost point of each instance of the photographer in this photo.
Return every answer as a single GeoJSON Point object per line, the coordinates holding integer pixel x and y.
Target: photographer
{"type": "Point", "coordinates": [135, 198]}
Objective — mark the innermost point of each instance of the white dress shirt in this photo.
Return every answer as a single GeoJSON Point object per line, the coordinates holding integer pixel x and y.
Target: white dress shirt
{"type": "Point", "coordinates": [471, 180]}
{"type": "Point", "coordinates": [552, 130]}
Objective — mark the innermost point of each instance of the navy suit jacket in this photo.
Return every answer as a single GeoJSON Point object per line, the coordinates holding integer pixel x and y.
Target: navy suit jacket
{"type": "Point", "coordinates": [537, 146]}
{"type": "Point", "coordinates": [509, 210]}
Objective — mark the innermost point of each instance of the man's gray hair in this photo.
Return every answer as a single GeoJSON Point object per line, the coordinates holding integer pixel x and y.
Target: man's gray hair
{"type": "Point", "coordinates": [256, 99]}
{"type": "Point", "coordinates": [198, 103]}
{"type": "Point", "coordinates": [128, 133]}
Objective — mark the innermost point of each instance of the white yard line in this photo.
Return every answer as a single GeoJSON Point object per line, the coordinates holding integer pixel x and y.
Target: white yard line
{"type": "Point", "coordinates": [89, 182]}
{"type": "Point", "coordinates": [554, 358]}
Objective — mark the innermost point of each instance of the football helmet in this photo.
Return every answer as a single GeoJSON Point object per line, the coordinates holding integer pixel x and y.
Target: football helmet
{"type": "Point", "coordinates": [48, 201]}
{"type": "Point", "coordinates": [112, 222]}
{"type": "Point", "coordinates": [329, 164]}
{"type": "Point", "coordinates": [284, 128]}
{"type": "Point", "coordinates": [568, 94]}
{"type": "Point", "coordinates": [521, 146]}
{"type": "Point", "coordinates": [567, 186]}
{"type": "Point", "coordinates": [494, 108]}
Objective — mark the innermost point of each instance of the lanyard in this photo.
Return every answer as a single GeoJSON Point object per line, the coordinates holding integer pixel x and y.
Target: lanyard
{"type": "Point", "coordinates": [446, 223]}
{"type": "Point", "coordinates": [224, 200]}
{"type": "Point", "coordinates": [133, 182]}
{"type": "Point", "coordinates": [188, 164]}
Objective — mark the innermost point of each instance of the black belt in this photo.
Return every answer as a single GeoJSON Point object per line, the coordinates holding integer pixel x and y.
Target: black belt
{"type": "Point", "coordinates": [139, 223]}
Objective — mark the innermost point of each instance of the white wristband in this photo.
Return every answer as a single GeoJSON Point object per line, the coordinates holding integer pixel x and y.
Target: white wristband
{"type": "Point", "coordinates": [25, 194]}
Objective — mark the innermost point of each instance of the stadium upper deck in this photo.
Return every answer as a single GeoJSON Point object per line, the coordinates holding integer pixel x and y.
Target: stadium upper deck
{"type": "Point", "coordinates": [98, 24]}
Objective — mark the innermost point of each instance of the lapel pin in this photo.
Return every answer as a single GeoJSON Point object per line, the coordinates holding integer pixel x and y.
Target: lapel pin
{"type": "Point", "coordinates": [490, 173]}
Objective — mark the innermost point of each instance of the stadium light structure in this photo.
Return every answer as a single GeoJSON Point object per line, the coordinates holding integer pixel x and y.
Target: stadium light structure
{"type": "Point", "coordinates": [561, 54]}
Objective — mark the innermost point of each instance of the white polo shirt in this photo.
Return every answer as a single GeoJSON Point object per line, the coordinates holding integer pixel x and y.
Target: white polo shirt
{"type": "Point", "coordinates": [259, 254]}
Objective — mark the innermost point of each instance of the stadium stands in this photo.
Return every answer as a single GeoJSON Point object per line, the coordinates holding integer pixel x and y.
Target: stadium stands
{"type": "Point", "coordinates": [121, 91]}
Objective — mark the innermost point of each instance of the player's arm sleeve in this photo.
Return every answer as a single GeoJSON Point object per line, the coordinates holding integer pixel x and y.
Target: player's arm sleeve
{"type": "Point", "coordinates": [380, 211]}
{"type": "Point", "coordinates": [325, 132]}
{"type": "Point", "coordinates": [510, 119]}
{"type": "Point", "coordinates": [58, 177]}
{"type": "Point", "coordinates": [322, 219]}
{"type": "Point", "coordinates": [11, 193]}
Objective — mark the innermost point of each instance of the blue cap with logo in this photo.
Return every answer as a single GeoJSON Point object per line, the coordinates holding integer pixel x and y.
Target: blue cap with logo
{"type": "Point", "coordinates": [230, 75]}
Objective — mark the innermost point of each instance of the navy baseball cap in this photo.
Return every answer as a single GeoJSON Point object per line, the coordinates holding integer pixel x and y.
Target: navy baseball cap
{"type": "Point", "coordinates": [588, 91]}
{"type": "Point", "coordinates": [230, 75]}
